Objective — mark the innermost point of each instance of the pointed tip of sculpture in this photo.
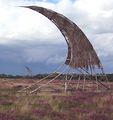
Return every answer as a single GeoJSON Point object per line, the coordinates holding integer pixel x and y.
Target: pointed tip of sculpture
{"type": "Point", "coordinates": [22, 6]}
{"type": "Point", "coordinates": [29, 6]}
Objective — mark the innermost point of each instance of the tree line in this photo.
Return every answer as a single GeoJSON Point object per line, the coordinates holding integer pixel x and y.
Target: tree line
{"type": "Point", "coordinates": [63, 76]}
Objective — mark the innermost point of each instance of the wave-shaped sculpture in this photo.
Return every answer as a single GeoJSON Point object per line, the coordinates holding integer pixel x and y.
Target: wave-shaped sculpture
{"type": "Point", "coordinates": [81, 53]}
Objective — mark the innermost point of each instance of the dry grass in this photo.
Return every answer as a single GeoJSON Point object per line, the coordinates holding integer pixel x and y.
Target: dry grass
{"type": "Point", "coordinates": [76, 105]}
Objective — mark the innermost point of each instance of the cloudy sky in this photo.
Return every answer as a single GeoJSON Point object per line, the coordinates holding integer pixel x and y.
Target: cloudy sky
{"type": "Point", "coordinates": [28, 38]}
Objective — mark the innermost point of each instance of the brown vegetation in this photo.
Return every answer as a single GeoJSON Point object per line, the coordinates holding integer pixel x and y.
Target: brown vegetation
{"type": "Point", "coordinates": [53, 105]}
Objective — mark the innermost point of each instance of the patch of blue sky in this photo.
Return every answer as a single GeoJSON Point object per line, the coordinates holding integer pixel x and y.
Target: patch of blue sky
{"type": "Point", "coordinates": [55, 1]}
{"type": "Point", "coordinates": [52, 1]}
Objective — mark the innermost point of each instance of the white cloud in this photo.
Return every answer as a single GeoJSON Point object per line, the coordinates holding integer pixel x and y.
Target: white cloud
{"type": "Point", "coordinates": [96, 21]}
{"type": "Point", "coordinates": [104, 44]}
{"type": "Point", "coordinates": [23, 24]}
{"type": "Point", "coordinates": [93, 17]}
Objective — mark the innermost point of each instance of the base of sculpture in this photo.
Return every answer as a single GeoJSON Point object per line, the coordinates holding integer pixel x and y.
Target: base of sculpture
{"type": "Point", "coordinates": [83, 81]}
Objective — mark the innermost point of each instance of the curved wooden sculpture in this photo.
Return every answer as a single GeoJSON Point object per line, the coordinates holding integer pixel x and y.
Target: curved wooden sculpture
{"type": "Point", "coordinates": [81, 53]}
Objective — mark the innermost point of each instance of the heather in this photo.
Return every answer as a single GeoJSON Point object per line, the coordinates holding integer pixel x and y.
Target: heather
{"type": "Point", "coordinates": [53, 105]}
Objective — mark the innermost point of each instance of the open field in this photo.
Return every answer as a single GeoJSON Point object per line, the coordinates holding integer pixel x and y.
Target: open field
{"type": "Point", "coordinates": [53, 105]}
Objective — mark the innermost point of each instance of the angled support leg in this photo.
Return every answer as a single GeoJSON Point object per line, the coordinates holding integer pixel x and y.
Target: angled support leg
{"type": "Point", "coordinates": [66, 80]}
{"type": "Point", "coordinates": [34, 84]}
{"type": "Point", "coordinates": [48, 81]}
{"type": "Point", "coordinates": [97, 80]}
{"type": "Point", "coordinates": [105, 76]}
{"type": "Point", "coordinates": [78, 83]}
{"type": "Point", "coordinates": [84, 82]}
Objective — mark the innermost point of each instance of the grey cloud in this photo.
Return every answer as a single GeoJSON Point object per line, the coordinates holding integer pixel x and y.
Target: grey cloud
{"type": "Point", "coordinates": [29, 52]}
{"type": "Point", "coordinates": [107, 63]}
{"type": "Point", "coordinates": [55, 59]}
{"type": "Point", "coordinates": [46, 54]}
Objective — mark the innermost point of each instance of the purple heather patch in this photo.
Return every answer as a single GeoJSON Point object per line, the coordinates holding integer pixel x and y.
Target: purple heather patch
{"type": "Point", "coordinates": [4, 116]}
{"type": "Point", "coordinates": [97, 116]}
